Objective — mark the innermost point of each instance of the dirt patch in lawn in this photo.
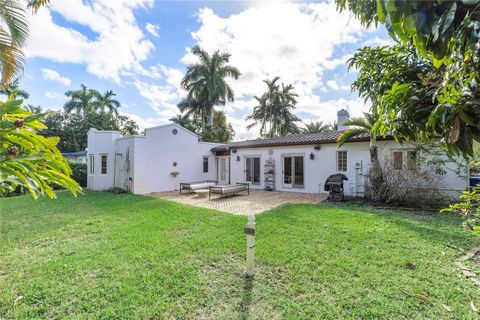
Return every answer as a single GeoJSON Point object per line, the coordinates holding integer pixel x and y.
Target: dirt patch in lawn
{"type": "Point", "coordinates": [230, 294]}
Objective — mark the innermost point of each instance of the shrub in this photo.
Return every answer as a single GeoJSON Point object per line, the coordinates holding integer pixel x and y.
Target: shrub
{"type": "Point", "coordinates": [79, 173]}
{"type": "Point", "coordinates": [117, 190]}
{"type": "Point", "coordinates": [410, 187]}
{"type": "Point", "coordinates": [469, 208]}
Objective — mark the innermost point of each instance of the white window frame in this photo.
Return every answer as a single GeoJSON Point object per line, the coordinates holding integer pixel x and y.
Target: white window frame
{"type": "Point", "coordinates": [106, 164]}
{"type": "Point", "coordinates": [253, 166]}
{"type": "Point", "coordinates": [292, 156]}
{"type": "Point", "coordinates": [203, 164]}
{"type": "Point", "coordinates": [91, 164]}
{"type": "Point", "coordinates": [406, 165]}
{"type": "Point", "coordinates": [337, 160]}
{"type": "Point", "coordinates": [402, 164]}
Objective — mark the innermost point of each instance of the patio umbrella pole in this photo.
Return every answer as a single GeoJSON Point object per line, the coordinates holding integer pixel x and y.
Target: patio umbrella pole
{"type": "Point", "coordinates": [250, 232]}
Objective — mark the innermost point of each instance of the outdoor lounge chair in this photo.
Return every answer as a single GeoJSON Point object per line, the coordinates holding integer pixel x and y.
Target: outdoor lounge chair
{"type": "Point", "coordinates": [229, 190]}
{"type": "Point", "coordinates": [192, 186]}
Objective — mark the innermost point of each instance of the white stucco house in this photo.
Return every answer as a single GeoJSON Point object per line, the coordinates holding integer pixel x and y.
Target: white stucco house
{"type": "Point", "coordinates": [169, 154]}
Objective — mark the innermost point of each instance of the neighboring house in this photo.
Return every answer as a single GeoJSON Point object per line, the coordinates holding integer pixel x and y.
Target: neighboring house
{"type": "Point", "coordinates": [170, 154]}
{"type": "Point", "coordinates": [77, 156]}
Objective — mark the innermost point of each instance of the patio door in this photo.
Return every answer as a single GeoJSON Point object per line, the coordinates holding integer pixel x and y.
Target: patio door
{"type": "Point", "coordinates": [293, 172]}
{"type": "Point", "coordinates": [223, 170]}
{"type": "Point", "coordinates": [252, 170]}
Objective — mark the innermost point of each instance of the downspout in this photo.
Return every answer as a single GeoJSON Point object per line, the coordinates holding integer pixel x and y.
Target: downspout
{"type": "Point", "coordinates": [114, 170]}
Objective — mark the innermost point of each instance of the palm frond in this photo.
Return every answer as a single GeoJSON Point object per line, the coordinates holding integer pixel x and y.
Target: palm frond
{"type": "Point", "coordinates": [12, 62]}
{"type": "Point", "coordinates": [349, 134]}
{"type": "Point", "coordinates": [359, 122]}
{"type": "Point", "coordinates": [13, 15]}
{"type": "Point", "coordinates": [37, 4]}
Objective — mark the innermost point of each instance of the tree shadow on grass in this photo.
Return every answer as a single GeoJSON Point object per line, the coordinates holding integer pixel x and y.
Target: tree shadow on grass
{"type": "Point", "coordinates": [441, 228]}
{"type": "Point", "coordinates": [246, 297]}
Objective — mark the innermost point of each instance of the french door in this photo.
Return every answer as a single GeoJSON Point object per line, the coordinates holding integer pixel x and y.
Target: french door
{"type": "Point", "coordinates": [252, 170]}
{"type": "Point", "coordinates": [223, 170]}
{"type": "Point", "coordinates": [293, 175]}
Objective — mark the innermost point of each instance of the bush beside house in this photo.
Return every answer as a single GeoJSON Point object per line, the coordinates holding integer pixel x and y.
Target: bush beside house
{"type": "Point", "coordinates": [79, 173]}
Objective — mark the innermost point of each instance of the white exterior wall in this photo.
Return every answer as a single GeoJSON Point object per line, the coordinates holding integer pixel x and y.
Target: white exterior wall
{"type": "Point", "coordinates": [325, 164]}
{"type": "Point", "coordinates": [156, 154]}
{"type": "Point", "coordinates": [151, 159]}
{"type": "Point", "coordinates": [101, 143]}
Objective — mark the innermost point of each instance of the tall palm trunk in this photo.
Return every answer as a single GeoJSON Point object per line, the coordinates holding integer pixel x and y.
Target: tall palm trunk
{"type": "Point", "coordinates": [210, 116]}
{"type": "Point", "coordinates": [376, 172]}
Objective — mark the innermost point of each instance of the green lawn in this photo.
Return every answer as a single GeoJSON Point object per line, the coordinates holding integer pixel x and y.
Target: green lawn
{"type": "Point", "coordinates": [123, 256]}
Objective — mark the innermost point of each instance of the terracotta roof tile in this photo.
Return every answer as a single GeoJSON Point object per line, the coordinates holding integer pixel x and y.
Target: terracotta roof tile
{"type": "Point", "coordinates": [297, 139]}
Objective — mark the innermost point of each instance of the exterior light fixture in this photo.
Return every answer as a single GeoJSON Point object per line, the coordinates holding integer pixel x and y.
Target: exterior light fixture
{"type": "Point", "coordinates": [312, 156]}
{"type": "Point", "coordinates": [238, 158]}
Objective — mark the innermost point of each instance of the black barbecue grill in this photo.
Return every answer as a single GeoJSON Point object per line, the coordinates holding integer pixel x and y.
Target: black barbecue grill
{"type": "Point", "coordinates": [334, 186]}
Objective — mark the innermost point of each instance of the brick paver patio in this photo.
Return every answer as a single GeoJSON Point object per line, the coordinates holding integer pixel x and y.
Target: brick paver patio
{"type": "Point", "coordinates": [243, 204]}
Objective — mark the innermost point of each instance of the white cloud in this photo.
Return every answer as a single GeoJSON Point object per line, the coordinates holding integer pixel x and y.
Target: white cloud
{"type": "Point", "coordinates": [117, 44]}
{"type": "Point", "coordinates": [143, 122]}
{"type": "Point", "coordinates": [163, 98]}
{"type": "Point", "coordinates": [379, 42]}
{"type": "Point", "coordinates": [332, 84]}
{"type": "Point", "coordinates": [327, 110]}
{"type": "Point", "coordinates": [152, 29]}
{"type": "Point", "coordinates": [49, 74]}
{"type": "Point", "coordinates": [264, 45]}
{"type": "Point", "coordinates": [52, 95]}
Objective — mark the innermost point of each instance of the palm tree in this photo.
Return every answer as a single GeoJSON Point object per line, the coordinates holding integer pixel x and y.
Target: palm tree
{"type": "Point", "coordinates": [316, 127]}
{"type": "Point", "coordinates": [106, 101]}
{"type": "Point", "coordinates": [273, 112]}
{"type": "Point", "coordinates": [194, 109]}
{"type": "Point", "coordinates": [364, 125]}
{"type": "Point", "coordinates": [260, 115]}
{"type": "Point", "coordinates": [13, 35]}
{"type": "Point", "coordinates": [81, 101]}
{"type": "Point", "coordinates": [206, 81]}
{"type": "Point", "coordinates": [186, 122]}
{"type": "Point", "coordinates": [34, 109]}
{"type": "Point", "coordinates": [13, 88]}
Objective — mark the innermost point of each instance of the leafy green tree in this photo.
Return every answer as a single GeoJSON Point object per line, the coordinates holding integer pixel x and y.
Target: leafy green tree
{"type": "Point", "coordinates": [475, 161]}
{"type": "Point", "coordinates": [205, 81]}
{"type": "Point", "coordinates": [127, 126]}
{"type": "Point", "coordinates": [274, 110]}
{"type": "Point", "coordinates": [446, 35]}
{"type": "Point", "coordinates": [316, 127]}
{"type": "Point", "coordinates": [188, 122]}
{"type": "Point", "coordinates": [28, 159]}
{"type": "Point", "coordinates": [469, 208]}
{"type": "Point", "coordinates": [220, 131]}
{"type": "Point", "coordinates": [106, 101]}
{"type": "Point", "coordinates": [81, 101]}
{"type": "Point", "coordinates": [72, 129]}
{"type": "Point", "coordinates": [403, 89]}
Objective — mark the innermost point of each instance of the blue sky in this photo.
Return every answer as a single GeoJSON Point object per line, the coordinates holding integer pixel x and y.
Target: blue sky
{"type": "Point", "coordinates": [140, 49]}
